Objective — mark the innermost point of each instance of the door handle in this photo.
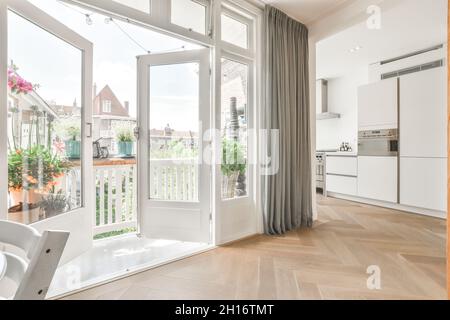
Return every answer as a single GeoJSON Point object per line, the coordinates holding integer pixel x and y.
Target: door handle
{"type": "Point", "coordinates": [89, 132]}
{"type": "Point", "coordinates": [137, 132]}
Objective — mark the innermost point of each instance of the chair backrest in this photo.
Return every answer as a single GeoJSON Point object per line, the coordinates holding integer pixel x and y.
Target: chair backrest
{"type": "Point", "coordinates": [20, 236]}
{"type": "Point", "coordinates": [33, 279]}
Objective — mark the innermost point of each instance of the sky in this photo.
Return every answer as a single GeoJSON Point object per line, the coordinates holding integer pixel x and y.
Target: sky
{"type": "Point", "coordinates": [55, 65]}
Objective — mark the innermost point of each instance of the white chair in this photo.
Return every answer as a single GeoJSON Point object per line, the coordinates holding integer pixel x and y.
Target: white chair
{"type": "Point", "coordinates": [43, 252]}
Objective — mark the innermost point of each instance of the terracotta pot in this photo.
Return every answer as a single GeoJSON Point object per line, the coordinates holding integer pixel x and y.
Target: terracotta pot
{"type": "Point", "coordinates": [31, 196]}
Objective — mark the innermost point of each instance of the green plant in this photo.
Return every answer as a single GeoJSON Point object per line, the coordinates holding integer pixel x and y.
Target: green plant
{"type": "Point", "coordinates": [73, 132]}
{"type": "Point", "coordinates": [67, 129]}
{"type": "Point", "coordinates": [55, 203]}
{"type": "Point", "coordinates": [233, 157]}
{"type": "Point", "coordinates": [124, 134]}
{"type": "Point", "coordinates": [34, 168]}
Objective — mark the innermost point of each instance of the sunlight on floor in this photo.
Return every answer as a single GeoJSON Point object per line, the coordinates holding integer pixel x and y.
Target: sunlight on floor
{"type": "Point", "coordinates": [116, 257]}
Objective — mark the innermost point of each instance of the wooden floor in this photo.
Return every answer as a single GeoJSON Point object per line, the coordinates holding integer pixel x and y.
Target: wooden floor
{"type": "Point", "coordinates": [328, 262]}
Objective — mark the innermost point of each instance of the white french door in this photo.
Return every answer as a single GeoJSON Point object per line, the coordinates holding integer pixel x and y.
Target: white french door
{"type": "Point", "coordinates": [174, 113]}
{"type": "Point", "coordinates": [58, 63]}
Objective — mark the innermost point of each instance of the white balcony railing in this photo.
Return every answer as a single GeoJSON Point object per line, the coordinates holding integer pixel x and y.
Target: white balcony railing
{"type": "Point", "coordinates": [116, 191]}
{"type": "Point", "coordinates": [175, 180]}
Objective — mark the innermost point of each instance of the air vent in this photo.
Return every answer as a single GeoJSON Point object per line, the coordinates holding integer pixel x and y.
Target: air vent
{"type": "Point", "coordinates": [423, 67]}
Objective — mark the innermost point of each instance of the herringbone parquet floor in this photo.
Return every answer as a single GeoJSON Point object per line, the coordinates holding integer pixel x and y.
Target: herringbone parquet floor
{"type": "Point", "coordinates": [328, 262]}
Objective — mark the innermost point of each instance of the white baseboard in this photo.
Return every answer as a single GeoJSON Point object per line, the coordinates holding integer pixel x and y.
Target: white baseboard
{"type": "Point", "coordinates": [395, 206]}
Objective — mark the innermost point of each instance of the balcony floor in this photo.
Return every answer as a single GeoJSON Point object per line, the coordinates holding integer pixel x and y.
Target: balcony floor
{"type": "Point", "coordinates": [116, 257]}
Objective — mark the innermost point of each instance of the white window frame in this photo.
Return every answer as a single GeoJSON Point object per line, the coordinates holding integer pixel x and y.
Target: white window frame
{"type": "Point", "coordinates": [238, 218]}
{"type": "Point", "coordinates": [159, 17]}
{"type": "Point", "coordinates": [160, 20]}
{"type": "Point", "coordinates": [108, 104]}
{"type": "Point", "coordinates": [227, 46]}
{"type": "Point", "coordinates": [208, 30]}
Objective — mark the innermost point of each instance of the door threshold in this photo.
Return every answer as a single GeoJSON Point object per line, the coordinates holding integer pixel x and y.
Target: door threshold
{"type": "Point", "coordinates": [132, 271]}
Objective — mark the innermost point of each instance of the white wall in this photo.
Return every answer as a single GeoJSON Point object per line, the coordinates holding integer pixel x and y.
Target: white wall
{"type": "Point", "coordinates": [342, 99]}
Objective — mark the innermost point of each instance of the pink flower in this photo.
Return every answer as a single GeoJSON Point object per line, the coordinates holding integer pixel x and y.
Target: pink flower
{"type": "Point", "coordinates": [59, 147]}
{"type": "Point", "coordinates": [17, 84]}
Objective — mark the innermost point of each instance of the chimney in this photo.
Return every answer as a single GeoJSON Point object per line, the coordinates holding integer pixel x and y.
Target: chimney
{"type": "Point", "coordinates": [126, 104]}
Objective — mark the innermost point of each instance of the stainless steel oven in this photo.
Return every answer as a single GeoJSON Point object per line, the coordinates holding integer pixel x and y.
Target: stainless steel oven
{"type": "Point", "coordinates": [381, 143]}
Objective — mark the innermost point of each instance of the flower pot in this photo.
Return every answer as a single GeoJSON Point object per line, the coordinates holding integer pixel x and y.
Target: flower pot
{"type": "Point", "coordinates": [73, 149]}
{"type": "Point", "coordinates": [229, 185]}
{"type": "Point", "coordinates": [25, 215]}
{"type": "Point", "coordinates": [24, 196]}
{"type": "Point", "coordinates": [125, 148]}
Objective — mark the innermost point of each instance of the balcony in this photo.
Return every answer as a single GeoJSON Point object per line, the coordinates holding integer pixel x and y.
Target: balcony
{"type": "Point", "coordinates": [116, 190]}
{"type": "Point", "coordinates": [116, 197]}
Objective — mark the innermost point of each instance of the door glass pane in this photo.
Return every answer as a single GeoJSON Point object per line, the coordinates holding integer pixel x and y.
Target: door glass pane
{"type": "Point", "coordinates": [189, 14]}
{"type": "Point", "coordinates": [44, 123]}
{"type": "Point", "coordinates": [174, 132]}
{"type": "Point", "coordinates": [141, 5]}
{"type": "Point", "coordinates": [234, 129]}
{"type": "Point", "coordinates": [234, 32]}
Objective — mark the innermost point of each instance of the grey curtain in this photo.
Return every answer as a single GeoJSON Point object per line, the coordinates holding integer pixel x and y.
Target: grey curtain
{"type": "Point", "coordinates": [288, 193]}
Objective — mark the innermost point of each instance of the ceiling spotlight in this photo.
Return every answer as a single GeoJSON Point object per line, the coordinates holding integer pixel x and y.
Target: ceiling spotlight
{"type": "Point", "coordinates": [355, 49]}
{"type": "Point", "coordinates": [89, 21]}
{"type": "Point", "coordinates": [108, 20]}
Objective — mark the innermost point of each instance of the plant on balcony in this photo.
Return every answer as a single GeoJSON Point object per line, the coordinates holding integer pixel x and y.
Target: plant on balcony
{"type": "Point", "coordinates": [73, 143]}
{"type": "Point", "coordinates": [17, 84]}
{"type": "Point", "coordinates": [125, 141]}
{"type": "Point", "coordinates": [233, 164]}
{"type": "Point", "coordinates": [54, 204]}
{"type": "Point", "coordinates": [32, 172]}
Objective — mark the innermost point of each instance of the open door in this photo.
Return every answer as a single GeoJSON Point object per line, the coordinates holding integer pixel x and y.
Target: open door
{"type": "Point", "coordinates": [174, 113]}
{"type": "Point", "coordinates": [46, 135]}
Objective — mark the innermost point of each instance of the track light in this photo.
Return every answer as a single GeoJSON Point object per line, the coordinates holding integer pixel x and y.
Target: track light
{"type": "Point", "coordinates": [89, 21]}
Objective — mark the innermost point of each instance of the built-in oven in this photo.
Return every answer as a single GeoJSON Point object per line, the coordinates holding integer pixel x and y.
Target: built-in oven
{"type": "Point", "coordinates": [381, 143]}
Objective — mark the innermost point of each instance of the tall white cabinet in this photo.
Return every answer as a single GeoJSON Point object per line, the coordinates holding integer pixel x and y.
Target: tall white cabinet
{"type": "Point", "coordinates": [423, 142]}
{"type": "Point", "coordinates": [423, 114]}
{"type": "Point", "coordinates": [377, 105]}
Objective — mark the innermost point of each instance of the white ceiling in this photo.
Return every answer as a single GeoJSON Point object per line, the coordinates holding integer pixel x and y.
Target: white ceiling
{"type": "Point", "coordinates": [409, 26]}
{"type": "Point", "coordinates": [306, 11]}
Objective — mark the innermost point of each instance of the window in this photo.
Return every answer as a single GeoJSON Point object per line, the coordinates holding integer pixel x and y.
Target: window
{"type": "Point", "coordinates": [234, 31]}
{"type": "Point", "coordinates": [234, 128]}
{"type": "Point", "coordinates": [46, 144]}
{"type": "Point", "coordinates": [141, 5]}
{"type": "Point", "coordinates": [106, 106]}
{"type": "Point", "coordinates": [189, 14]}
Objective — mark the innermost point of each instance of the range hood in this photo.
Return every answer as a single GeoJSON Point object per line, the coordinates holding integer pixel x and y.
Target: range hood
{"type": "Point", "coordinates": [322, 101]}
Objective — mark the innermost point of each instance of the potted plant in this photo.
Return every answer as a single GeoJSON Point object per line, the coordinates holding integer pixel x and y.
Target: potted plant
{"type": "Point", "coordinates": [233, 164]}
{"type": "Point", "coordinates": [125, 141]}
{"type": "Point", "coordinates": [73, 144]}
{"type": "Point", "coordinates": [33, 171]}
{"type": "Point", "coordinates": [55, 204]}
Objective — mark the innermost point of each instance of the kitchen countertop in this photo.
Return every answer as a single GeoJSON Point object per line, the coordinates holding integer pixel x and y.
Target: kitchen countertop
{"type": "Point", "coordinates": [341, 154]}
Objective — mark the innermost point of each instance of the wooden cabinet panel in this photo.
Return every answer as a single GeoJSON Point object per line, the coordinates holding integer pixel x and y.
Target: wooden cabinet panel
{"type": "Point", "coordinates": [378, 105]}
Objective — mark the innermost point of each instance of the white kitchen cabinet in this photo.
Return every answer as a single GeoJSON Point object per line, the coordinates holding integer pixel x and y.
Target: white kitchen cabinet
{"type": "Point", "coordinates": [423, 183]}
{"type": "Point", "coordinates": [378, 105]}
{"type": "Point", "coordinates": [342, 184]}
{"type": "Point", "coordinates": [423, 114]}
{"type": "Point", "coordinates": [378, 179]}
{"type": "Point", "coordinates": [347, 166]}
